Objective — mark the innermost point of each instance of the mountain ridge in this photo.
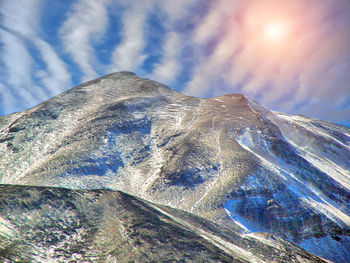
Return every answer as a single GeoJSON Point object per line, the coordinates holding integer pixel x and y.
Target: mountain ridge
{"type": "Point", "coordinates": [227, 159]}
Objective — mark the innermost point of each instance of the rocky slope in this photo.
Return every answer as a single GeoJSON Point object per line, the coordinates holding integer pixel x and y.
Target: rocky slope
{"type": "Point", "coordinates": [227, 159]}
{"type": "Point", "coordinates": [42, 224]}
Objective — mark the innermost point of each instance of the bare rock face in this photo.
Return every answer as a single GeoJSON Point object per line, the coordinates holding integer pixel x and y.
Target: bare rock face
{"type": "Point", "coordinates": [226, 159]}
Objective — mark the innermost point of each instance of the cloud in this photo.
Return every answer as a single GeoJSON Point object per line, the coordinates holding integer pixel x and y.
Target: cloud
{"type": "Point", "coordinates": [128, 55]}
{"type": "Point", "coordinates": [18, 64]}
{"type": "Point", "coordinates": [175, 39]}
{"type": "Point", "coordinates": [167, 70]}
{"type": "Point", "coordinates": [217, 47]}
{"type": "Point", "coordinates": [21, 15]}
{"type": "Point", "coordinates": [7, 100]}
{"type": "Point", "coordinates": [214, 65]}
{"type": "Point", "coordinates": [214, 21]}
{"type": "Point", "coordinates": [310, 66]}
{"type": "Point", "coordinates": [56, 77]}
{"type": "Point", "coordinates": [200, 84]}
{"type": "Point", "coordinates": [176, 9]}
{"type": "Point", "coordinates": [14, 54]}
{"type": "Point", "coordinates": [86, 23]}
{"type": "Point", "coordinates": [20, 23]}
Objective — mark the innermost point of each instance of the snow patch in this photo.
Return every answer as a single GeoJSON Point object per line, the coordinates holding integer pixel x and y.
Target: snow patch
{"type": "Point", "coordinates": [246, 140]}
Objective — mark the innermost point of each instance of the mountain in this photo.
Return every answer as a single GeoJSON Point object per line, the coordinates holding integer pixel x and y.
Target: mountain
{"type": "Point", "coordinates": [227, 159]}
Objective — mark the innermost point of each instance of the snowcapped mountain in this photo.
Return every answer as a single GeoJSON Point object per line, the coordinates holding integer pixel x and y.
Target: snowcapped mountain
{"type": "Point", "coordinates": [227, 159]}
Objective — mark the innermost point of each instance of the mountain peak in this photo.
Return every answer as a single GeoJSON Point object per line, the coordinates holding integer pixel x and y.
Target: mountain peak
{"type": "Point", "coordinates": [122, 73]}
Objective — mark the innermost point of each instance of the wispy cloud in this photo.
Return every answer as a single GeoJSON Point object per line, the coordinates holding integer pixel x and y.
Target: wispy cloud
{"type": "Point", "coordinates": [21, 16]}
{"type": "Point", "coordinates": [310, 69]}
{"type": "Point", "coordinates": [86, 22]}
{"type": "Point", "coordinates": [14, 54]}
{"type": "Point", "coordinates": [18, 65]}
{"type": "Point", "coordinates": [20, 27]}
{"type": "Point", "coordinates": [202, 47]}
{"type": "Point", "coordinates": [215, 21]}
{"type": "Point", "coordinates": [167, 70]}
{"type": "Point", "coordinates": [55, 76]}
{"type": "Point", "coordinates": [128, 55]}
{"type": "Point", "coordinates": [176, 10]}
{"type": "Point", "coordinates": [7, 100]}
{"type": "Point", "coordinates": [175, 40]}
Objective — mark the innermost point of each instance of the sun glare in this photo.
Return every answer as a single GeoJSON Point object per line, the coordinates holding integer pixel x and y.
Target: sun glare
{"type": "Point", "coordinates": [270, 27]}
{"type": "Point", "coordinates": [274, 31]}
{"type": "Point", "coordinates": [276, 35]}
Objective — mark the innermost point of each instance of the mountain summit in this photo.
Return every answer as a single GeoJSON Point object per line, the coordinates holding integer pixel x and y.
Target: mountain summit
{"type": "Point", "coordinates": [226, 162]}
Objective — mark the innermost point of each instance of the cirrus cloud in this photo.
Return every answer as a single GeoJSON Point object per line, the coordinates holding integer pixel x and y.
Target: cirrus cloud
{"type": "Point", "coordinates": [19, 36]}
{"type": "Point", "coordinates": [201, 47]}
{"type": "Point", "coordinates": [309, 70]}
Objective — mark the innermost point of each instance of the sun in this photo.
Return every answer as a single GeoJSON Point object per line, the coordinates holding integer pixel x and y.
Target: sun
{"type": "Point", "coordinates": [275, 32]}
{"type": "Point", "coordinates": [271, 27]}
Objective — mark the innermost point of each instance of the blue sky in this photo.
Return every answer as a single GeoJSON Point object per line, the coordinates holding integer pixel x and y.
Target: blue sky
{"type": "Point", "coordinates": [291, 56]}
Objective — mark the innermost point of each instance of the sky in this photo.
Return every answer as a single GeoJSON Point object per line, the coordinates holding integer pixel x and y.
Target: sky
{"type": "Point", "coordinates": [291, 56]}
